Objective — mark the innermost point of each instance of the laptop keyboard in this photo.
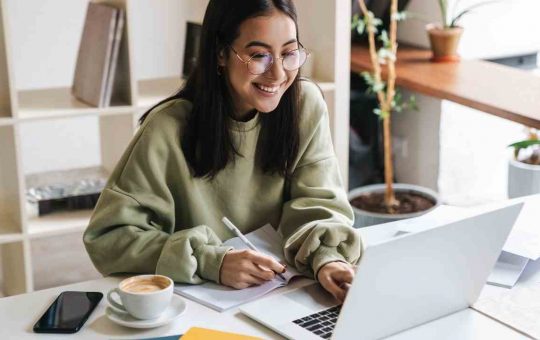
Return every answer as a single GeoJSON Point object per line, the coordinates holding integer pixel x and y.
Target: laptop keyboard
{"type": "Point", "coordinates": [321, 323]}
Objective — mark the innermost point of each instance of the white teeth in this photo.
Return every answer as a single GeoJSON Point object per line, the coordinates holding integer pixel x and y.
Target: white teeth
{"type": "Point", "coordinates": [268, 89]}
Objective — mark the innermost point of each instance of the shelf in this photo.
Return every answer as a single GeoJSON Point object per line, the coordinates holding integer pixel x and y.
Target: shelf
{"type": "Point", "coordinates": [8, 233]}
{"type": "Point", "coordinates": [59, 223]}
{"type": "Point", "coordinates": [4, 121]}
{"type": "Point", "coordinates": [495, 89]}
{"type": "Point", "coordinates": [8, 237]}
{"type": "Point", "coordinates": [59, 103]}
{"type": "Point", "coordinates": [152, 91]}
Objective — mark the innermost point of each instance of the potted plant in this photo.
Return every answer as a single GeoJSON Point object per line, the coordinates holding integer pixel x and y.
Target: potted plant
{"type": "Point", "coordinates": [524, 166]}
{"type": "Point", "coordinates": [386, 202]}
{"type": "Point", "coordinates": [444, 37]}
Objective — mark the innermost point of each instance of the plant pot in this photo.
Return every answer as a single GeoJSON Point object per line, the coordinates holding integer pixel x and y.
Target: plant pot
{"type": "Point", "coordinates": [523, 179]}
{"type": "Point", "coordinates": [444, 42]}
{"type": "Point", "coordinates": [364, 218]}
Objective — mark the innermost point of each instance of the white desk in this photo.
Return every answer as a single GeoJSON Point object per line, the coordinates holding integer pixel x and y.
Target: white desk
{"type": "Point", "coordinates": [19, 313]}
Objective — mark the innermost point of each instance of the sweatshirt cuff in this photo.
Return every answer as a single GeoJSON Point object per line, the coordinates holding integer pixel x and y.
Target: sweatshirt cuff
{"type": "Point", "coordinates": [324, 255]}
{"type": "Point", "coordinates": [210, 259]}
{"type": "Point", "coordinates": [192, 256]}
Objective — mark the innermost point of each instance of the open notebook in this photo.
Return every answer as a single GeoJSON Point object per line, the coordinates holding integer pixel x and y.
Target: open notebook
{"type": "Point", "coordinates": [221, 298]}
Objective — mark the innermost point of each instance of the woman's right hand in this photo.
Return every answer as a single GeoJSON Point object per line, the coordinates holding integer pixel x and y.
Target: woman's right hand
{"type": "Point", "coordinates": [244, 268]}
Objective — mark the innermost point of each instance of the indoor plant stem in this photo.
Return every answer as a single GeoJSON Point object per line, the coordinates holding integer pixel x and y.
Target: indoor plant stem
{"type": "Point", "coordinates": [386, 96]}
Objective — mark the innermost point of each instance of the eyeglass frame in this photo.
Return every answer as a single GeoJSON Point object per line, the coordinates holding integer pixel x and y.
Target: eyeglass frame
{"type": "Point", "coordinates": [273, 59]}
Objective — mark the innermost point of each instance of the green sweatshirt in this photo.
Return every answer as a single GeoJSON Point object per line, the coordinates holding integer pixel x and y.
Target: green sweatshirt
{"type": "Point", "coordinates": [154, 217]}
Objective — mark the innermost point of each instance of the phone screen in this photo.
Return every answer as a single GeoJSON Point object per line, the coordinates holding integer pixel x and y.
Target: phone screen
{"type": "Point", "coordinates": [68, 312]}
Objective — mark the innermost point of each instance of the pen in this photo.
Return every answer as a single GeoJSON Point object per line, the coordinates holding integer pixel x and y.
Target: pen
{"type": "Point", "coordinates": [241, 236]}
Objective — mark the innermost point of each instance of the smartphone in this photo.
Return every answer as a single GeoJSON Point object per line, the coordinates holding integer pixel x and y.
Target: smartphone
{"type": "Point", "coordinates": [68, 313]}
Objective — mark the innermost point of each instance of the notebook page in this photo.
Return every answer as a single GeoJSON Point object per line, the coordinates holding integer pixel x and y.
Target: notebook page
{"type": "Point", "coordinates": [220, 298]}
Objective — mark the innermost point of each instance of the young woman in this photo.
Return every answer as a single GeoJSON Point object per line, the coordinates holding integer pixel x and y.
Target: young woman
{"type": "Point", "coordinates": [246, 139]}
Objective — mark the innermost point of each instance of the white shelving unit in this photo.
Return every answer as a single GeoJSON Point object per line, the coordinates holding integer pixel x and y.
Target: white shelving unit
{"type": "Point", "coordinates": [152, 31]}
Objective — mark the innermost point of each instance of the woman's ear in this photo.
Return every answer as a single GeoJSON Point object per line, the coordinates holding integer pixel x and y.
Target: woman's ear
{"type": "Point", "coordinates": [221, 58]}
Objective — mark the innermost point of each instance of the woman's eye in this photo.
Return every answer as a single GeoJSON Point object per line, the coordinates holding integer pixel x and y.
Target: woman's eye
{"type": "Point", "coordinates": [293, 52]}
{"type": "Point", "coordinates": [259, 55]}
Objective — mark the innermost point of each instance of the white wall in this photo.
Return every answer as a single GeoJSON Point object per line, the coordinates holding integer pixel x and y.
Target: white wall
{"type": "Point", "coordinates": [503, 28]}
{"type": "Point", "coordinates": [471, 146]}
{"type": "Point", "coordinates": [45, 35]}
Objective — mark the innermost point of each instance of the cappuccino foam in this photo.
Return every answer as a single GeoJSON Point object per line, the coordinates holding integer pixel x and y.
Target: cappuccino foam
{"type": "Point", "coordinates": [145, 286]}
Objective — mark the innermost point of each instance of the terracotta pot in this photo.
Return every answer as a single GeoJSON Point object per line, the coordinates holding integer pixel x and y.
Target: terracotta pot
{"type": "Point", "coordinates": [444, 42]}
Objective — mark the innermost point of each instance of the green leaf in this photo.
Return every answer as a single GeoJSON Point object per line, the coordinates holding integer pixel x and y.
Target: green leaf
{"type": "Point", "coordinates": [400, 16]}
{"type": "Point", "coordinates": [413, 105]}
{"type": "Point", "coordinates": [469, 9]}
{"type": "Point", "coordinates": [378, 86]}
{"type": "Point", "coordinates": [385, 54]}
{"type": "Point", "coordinates": [361, 27]}
{"type": "Point", "coordinates": [384, 38]}
{"type": "Point", "coordinates": [524, 144]}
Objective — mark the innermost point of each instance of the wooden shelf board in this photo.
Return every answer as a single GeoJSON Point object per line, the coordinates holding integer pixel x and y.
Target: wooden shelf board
{"type": "Point", "coordinates": [10, 237]}
{"type": "Point", "coordinates": [5, 121]}
{"type": "Point", "coordinates": [8, 231]}
{"type": "Point", "coordinates": [59, 103]}
{"type": "Point", "coordinates": [58, 223]}
{"type": "Point", "coordinates": [496, 89]}
{"type": "Point", "coordinates": [152, 91]}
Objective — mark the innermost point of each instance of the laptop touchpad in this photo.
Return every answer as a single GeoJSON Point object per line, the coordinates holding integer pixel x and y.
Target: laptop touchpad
{"type": "Point", "coordinates": [312, 296]}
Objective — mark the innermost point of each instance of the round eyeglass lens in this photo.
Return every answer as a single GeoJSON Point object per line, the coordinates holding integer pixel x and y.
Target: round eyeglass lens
{"type": "Point", "coordinates": [294, 59]}
{"type": "Point", "coordinates": [260, 63]}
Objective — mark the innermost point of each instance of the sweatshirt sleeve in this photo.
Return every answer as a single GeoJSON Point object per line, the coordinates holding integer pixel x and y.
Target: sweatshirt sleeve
{"type": "Point", "coordinates": [317, 218]}
{"type": "Point", "coordinates": [133, 226]}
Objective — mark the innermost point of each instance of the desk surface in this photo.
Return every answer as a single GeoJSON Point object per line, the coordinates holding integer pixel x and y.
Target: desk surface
{"type": "Point", "coordinates": [19, 313]}
{"type": "Point", "coordinates": [496, 89]}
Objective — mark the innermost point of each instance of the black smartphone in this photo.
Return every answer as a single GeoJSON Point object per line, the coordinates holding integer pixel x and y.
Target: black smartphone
{"type": "Point", "coordinates": [68, 312]}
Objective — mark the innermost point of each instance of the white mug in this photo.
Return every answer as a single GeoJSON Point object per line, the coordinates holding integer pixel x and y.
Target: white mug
{"type": "Point", "coordinates": [143, 296]}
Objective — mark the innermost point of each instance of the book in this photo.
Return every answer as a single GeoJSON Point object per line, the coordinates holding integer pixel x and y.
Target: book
{"type": "Point", "coordinates": [111, 74]}
{"type": "Point", "coordinates": [198, 333]}
{"type": "Point", "coordinates": [221, 298]}
{"type": "Point", "coordinates": [94, 56]}
{"type": "Point", "coordinates": [192, 47]}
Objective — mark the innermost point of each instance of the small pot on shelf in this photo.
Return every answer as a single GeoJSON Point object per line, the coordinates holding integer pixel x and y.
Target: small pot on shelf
{"type": "Point", "coordinates": [523, 179]}
{"type": "Point", "coordinates": [444, 42]}
{"type": "Point", "coordinates": [366, 218]}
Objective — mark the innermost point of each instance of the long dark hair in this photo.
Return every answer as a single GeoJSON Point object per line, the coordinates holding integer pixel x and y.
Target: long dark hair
{"type": "Point", "coordinates": [207, 142]}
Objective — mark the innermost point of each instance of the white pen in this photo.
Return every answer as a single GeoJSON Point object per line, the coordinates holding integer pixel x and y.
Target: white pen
{"type": "Point", "coordinates": [241, 236]}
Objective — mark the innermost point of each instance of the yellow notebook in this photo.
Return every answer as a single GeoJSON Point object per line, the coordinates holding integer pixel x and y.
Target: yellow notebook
{"type": "Point", "coordinates": [196, 333]}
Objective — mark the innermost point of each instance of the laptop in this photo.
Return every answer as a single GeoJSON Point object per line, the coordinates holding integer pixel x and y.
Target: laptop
{"type": "Point", "coordinates": [399, 283]}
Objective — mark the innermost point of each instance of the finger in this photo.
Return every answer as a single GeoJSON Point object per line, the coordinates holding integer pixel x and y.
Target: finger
{"type": "Point", "coordinates": [343, 276]}
{"type": "Point", "coordinates": [261, 273]}
{"type": "Point", "coordinates": [254, 281]}
{"type": "Point", "coordinates": [332, 287]}
{"type": "Point", "coordinates": [267, 262]}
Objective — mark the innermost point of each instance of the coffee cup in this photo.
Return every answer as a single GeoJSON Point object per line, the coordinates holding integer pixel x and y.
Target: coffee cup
{"type": "Point", "coordinates": [143, 296]}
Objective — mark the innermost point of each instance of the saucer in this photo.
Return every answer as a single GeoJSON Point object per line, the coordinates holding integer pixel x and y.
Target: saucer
{"type": "Point", "coordinates": [175, 309]}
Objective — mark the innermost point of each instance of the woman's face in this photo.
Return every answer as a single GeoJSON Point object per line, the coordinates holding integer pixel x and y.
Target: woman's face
{"type": "Point", "coordinates": [273, 34]}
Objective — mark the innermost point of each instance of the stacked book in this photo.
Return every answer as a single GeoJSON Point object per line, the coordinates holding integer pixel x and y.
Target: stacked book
{"type": "Point", "coordinates": [96, 74]}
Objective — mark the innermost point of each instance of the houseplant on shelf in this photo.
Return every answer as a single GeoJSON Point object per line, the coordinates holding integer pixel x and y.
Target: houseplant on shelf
{"type": "Point", "coordinates": [444, 37]}
{"type": "Point", "coordinates": [379, 203]}
{"type": "Point", "coordinates": [524, 166]}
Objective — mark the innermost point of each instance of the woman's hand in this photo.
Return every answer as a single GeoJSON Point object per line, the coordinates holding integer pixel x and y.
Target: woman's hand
{"type": "Point", "coordinates": [336, 277]}
{"type": "Point", "coordinates": [243, 268]}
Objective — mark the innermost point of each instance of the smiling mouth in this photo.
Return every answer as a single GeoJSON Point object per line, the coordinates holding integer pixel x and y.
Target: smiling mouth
{"type": "Point", "coordinates": [268, 89]}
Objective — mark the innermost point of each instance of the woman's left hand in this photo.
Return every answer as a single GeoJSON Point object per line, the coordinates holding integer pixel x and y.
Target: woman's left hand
{"type": "Point", "coordinates": [336, 277]}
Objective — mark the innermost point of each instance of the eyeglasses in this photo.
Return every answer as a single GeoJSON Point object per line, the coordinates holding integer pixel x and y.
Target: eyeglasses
{"type": "Point", "coordinates": [261, 62]}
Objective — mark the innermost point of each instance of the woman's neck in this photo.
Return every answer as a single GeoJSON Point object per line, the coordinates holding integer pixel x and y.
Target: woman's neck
{"type": "Point", "coordinates": [245, 117]}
